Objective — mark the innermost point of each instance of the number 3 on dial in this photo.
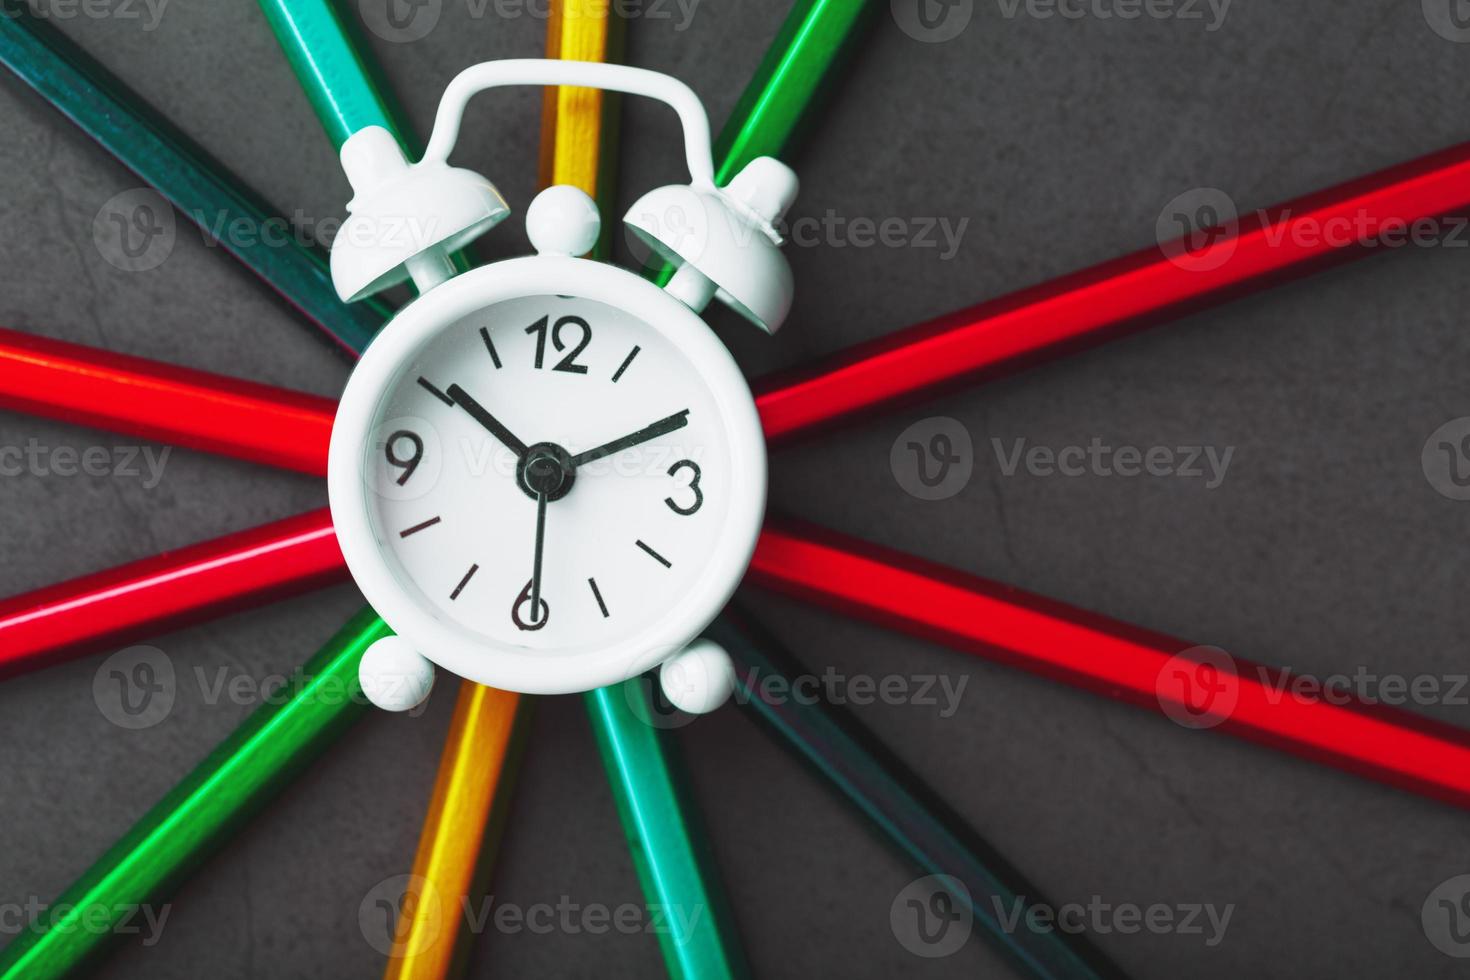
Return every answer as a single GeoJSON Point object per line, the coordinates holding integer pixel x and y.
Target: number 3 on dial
{"type": "Point", "coordinates": [693, 467]}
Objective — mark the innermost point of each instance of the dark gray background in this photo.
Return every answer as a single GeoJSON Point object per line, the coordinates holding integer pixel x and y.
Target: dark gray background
{"type": "Point", "coordinates": [1061, 141]}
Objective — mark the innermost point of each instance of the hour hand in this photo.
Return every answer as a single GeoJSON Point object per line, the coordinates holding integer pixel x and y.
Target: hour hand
{"type": "Point", "coordinates": [663, 426]}
{"type": "Point", "coordinates": [477, 412]}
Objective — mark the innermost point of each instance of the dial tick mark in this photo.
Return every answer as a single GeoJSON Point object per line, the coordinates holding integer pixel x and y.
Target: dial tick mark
{"type": "Point", "coordinates": [654, 555]}
{"type": "Point", "coordinates": [626, 361]}
{"type": "Point", "coordinates": [597, 594]}
{"type": "Point", "coordinates": [463, 582]}
{"type": "Point", "coordinates": [424, 384]}
{"type": "Point", "coordinates": [419, 527]}
{"type": "Point", "coordinates": [489, 345]}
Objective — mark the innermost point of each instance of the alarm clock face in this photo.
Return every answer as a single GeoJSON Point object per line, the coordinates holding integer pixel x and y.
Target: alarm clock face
{"type": "Point", "coordinates": [546, 490]}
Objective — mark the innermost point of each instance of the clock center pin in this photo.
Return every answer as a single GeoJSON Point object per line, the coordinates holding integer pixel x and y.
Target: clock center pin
{"type": "Point", "coordinates": [546, 468]}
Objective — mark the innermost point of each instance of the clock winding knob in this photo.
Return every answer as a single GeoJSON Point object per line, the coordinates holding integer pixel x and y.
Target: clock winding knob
{"type": "Point", "coordinates": [394, 675]}
{"type": "Point", "coordinates": [699, 678]}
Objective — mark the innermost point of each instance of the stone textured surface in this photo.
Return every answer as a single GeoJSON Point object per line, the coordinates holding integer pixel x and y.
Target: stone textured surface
{"type": "Point", "coordinates": [1059, 141]}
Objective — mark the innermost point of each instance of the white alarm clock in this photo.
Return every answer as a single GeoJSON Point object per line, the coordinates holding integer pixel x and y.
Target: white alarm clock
{"type": "Point", "coordinates": [547, 474]}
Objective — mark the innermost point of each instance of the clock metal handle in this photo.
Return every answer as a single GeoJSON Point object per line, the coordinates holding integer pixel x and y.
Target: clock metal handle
{"type": "Point", "coordinates": [586, 74]}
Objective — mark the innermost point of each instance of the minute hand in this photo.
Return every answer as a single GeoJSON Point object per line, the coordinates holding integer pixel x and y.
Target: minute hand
{"type": "Point", "coordinates": [676, 421]}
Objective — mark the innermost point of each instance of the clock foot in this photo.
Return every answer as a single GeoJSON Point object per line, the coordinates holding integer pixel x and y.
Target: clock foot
{"type": "Point", "coordinates": [394, 675]}
{"type": "Point", "coordinates": [699, 678]}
